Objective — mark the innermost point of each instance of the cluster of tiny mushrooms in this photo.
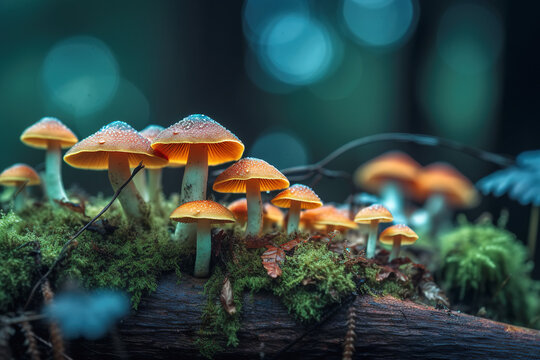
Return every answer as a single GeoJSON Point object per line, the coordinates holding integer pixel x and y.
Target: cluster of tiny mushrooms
{"type": "Point", "coordinates": [197, 142]}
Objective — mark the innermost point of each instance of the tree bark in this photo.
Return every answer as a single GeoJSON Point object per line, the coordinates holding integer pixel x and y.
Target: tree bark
{"type": "Point", "coordinates": [166, 323]}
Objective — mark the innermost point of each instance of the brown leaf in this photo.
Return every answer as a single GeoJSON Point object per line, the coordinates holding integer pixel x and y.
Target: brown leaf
{"type": "Point", "coordinates": [432, 292]}
{"type": "Point", "coordinates": [386, 271]}
{"type": "Point", "coordinates": [291, 244]}
{"type": "Point", "coordinates": [226, 297]}
{"type": "Point", "coordinates": [271, 259]}
{"type": "Point", "coordinates": [80, 208]}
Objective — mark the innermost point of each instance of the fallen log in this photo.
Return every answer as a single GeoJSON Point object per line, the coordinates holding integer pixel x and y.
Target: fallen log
{"type": "Point", "coordinates": [166, 323]}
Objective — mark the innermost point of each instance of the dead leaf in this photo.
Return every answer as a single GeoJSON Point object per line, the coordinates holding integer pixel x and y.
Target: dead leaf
{"type": "Point", "coordinates": [386, 271]}
{"type": "Point", "coordinates": [79, 208]}
{"type": "Point", "coordinates": [226, 297]}
{"type": "Point", "coordinates": [271, 260]}
{"type": "Point", "coordinates": [291, 244]}
{"type": "Point", "coordinates": [432, 292]}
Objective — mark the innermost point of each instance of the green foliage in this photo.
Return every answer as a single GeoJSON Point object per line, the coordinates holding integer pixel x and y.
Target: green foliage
{"type": "Point", "coordinates": [486, 266]}
{"type": "Point", "coordinates": [390, 286]}
{"type": "Point", "coordinates": [128, 257]}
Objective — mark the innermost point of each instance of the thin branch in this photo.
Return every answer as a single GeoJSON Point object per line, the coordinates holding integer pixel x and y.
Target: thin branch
{"type": "Point", "coordinates": [45, 342]}
{"type": "Point", "coordinates": [30, 316]}
{"type": "Point", "coordinates": [81, 230]}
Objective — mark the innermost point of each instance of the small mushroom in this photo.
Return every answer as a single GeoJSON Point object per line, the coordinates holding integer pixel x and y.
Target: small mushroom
{"type": "Point", "coordinates": [239, 209]}
{"type": "Point", "coordinates": [16, 176]}
{"type": "Point", "coordinates": [197, 141]}
{"type": "Point", "coordinates": [373, 215]}
{"type": "Point", "coordinates": [271, 216]}
{"type": "Point", "coordinates": [295, 198]}
{"type": "Point", "coordinates": [117, 147]}
{"type": "Point", "coordinates": [51, 134]}
{"type": "Point", "coordinates": [397, 235]}
{"type": "Point", "coordinates": [334, 219]}
{"type": "Point", "coordinates": [204, 213]}
{"type": "Point", "coordinates": [251, 176]}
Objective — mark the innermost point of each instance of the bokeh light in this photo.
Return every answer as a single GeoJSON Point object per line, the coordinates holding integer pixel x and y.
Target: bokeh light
{"type": "Point", "coordinates": [280, 149]}
{"type": "Point", "coordinates": [80, 75]}
{"type": "Point", "coordinates": [380, 23]}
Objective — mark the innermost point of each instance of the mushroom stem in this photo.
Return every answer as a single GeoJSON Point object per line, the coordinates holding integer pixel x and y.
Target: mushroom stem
{"type": "Point", "coordinates": [154, 185]}
{"type": "Point", "coordinates": [193, 187]}
{"type": "Point", "coordinates": [533, 229]}
{"type": "Point", "coordinates": [395, 248]}
{"type": "Point", "coordinates": [392, 199]}
{"type": "Point", "coordinates": [254, 207]}
{"type": "Point", "coordinates": [132, 203]}
{"type": "Point", "coordinates": [140, 183]}
{"type": "Point", "coordinates": [20, 201]}
{"type": "Point", "coordinates": [294, 217]}
{"type": "Point", "coordinates": [53, 173]}
{"type": "Point", "coordinates": [372, 239]}
{"type": "Point", "coordinates": [204, 249]}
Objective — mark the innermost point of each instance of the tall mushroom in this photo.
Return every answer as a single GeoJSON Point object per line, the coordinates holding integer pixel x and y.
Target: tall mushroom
{"type": "Point", "coordinates": [16, 176]}
{"type": "Point", "coordinates": [116, 147]}
{"type": "Point", "coordinates": [204, 213]}
{"type": "Point", "coordinates": [51, 134]}
{"type": "Point", "coordinates": [373, 215]}
{"type": "Point", "coordinates": [153, 186]}
{"type": "Point", "coordinates": [295, 198]}
{"type": "Point", "coordinates": [390, 175]}
{"type": "Point", "coordinates": [251, 176]}
{"type": "Point", "coordinates": [396, 236]}
{"type": "Point", "coordinates": [196, 141]}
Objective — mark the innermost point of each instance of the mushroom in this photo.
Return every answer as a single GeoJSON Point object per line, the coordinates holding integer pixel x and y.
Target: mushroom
{"type": "Point", "coordinates": [196, 141]}
{"type": "Point", "coordinates": [389, 175]}
{"type": "Point", "coordinates": [51, 134]}
{"type": "Point", "coordinates": [309, 217]}
{"type": "Point", "coordinates": [334, 219]}
{"type": "Point", "coordinates": [251, 176]}
{"type": "Point", "coordinates": [295, 198]}
{"type": "Point", "coordinates": [271, 215]}
{"type": "Point", "coordinates": [443, 188]}
{"type": "Point", "coordinates": [153, 188]}
{"type": "Point", "coordinates": [373, 215]}
{"type": "Point", "coordinates": [204, 213]}
{"type": "Point", "coordinates": [117, 147]}
{"type": "Point", "coordinates": [239, 209]}
{"type": "Point", "coordinates": [16, 176]}
{"type": "Point", "coordinates": [397, 235]}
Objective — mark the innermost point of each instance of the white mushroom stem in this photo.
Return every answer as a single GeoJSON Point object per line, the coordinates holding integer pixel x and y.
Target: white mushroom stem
{"type": "Point", "coordinates": [132, 203]}
{"type": "Point", "coordinates": [193, 187]}
{"type": "Point", "coordinates": [392, 199]}
{"type": "Point", "coordinates": [204, 249]}
{"type": "Point", "coordinates": [294, 217]}
{"type": "Point", "coordinates": [154, 185]}
{"type": "Point", "coordinates": [372, 239]}
{"type": "Point", "coordinates": [20, 200]}
{"type": "Point", "coordinates": [53, 173]}
{"type": "Point", "coordinates": [254, 207]}
{"type": "Point", "coordinates": [394, 254]}
{"type": "Point", "coordinates": [140, 184]}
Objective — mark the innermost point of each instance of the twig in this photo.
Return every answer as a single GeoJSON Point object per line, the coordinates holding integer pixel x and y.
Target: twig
{"type": "Point", "coordinates": [66, 245]}
{"type": "Point", "coordinates": [45, 342]}
{"type": "Point", "coordinates": [19, 190]}
{"type": "Point", "coordinates": [27, 317]}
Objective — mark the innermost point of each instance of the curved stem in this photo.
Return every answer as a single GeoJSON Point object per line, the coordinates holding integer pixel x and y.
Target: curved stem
{"type": "Point", "coordinates": [204, 249]}
{"type": "Point", "coordinates": [395, 248]}
{"type": "Point", "coordinates": [294, 217]}
{"type": "Point", "coordinates": [20, 201]}
{"type": "Point", "coordinates": [254, 205]}
{"type": "Point", "coordinates": [533, 229]}
{"type": "Point", "coordinates": [140, 184]}
{"type": "Point", "coordinates": [193, 187]}
{"type": "Point", "coordinates": [154, 185]}
{"type": "Point", "coordinates": [372, 239]}
{"type": "Point", "coordinates": [53, 173]}
{"type": "Point", "coordinates": [132, 203]}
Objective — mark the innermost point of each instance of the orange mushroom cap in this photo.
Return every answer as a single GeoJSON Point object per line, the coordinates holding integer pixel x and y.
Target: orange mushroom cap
{"type": "Point", "coordinates": [48, 129]}
{"type": "Point", "coordinates": [117, 137]}
{"type": "Point", "coordinates": [407, 235]}
{"type": "Point", "coordinates": [234, 178]}
{"type": "Point", "coordinates": [174, 141]}
{"type": "Point", "coordinates": [151, 131]}
{"type": "Point", "coordinates": [239, 209]}
{"type": "Point", "coordinates": [301, 193]}
{"type": "Point", "coordinates": [334, 217]}
{"type": "Point", "coordinates": [194, 211]}
{"type": "Point", "coordinates": [19, 173]}
{"type": "Point", "coordinates": [444, 179]}
{"type": "Point", "coordinates": [272, 214]}
{"type": "Point", "coordinates": [374, 212]}
{"type": "Point", "coordinates": [393, 166]}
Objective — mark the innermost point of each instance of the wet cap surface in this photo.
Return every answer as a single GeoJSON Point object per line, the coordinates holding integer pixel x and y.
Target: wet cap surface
{"type": "Point", "coordinates": [302, 193]}
{"type": "Point", "coordinates": [46, 130]}
{"type": "Point", "coordinates": [194, 211]}
{"type": "Point", "coordinates": [374, 212]}
{"type": "Point", "coordinates": [19, 173]}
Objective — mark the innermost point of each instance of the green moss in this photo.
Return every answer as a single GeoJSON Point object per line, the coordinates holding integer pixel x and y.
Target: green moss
{"type": "Point", "coordinates": [486, 266]}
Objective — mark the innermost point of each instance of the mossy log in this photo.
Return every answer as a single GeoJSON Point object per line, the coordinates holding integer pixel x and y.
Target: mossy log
{"type": "Point", "coordinates": [166, 323]}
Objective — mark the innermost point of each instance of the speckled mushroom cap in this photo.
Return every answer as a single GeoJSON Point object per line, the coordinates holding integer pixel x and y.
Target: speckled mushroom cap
{"type": "Point", "coordinates": [272, 214]}
{"type": "Point", "coordinates": [48, 129]}
{"type": "Point", "coordinates": [194, 211]}
{"type": "Point", "coordinates": [444, 179]}
{"type": "Point", "coordinates": [374, 212]}
{"type": "Point", "coordinates": [407, 235]}
{"type": "Point", "coordinates": [234, 178]}
{"type": "Point", "coordinates": [301, 193]}
{"type": "Point", "coordinates": [117, 137]}
{"type": "Point", "coordinates": [393, 166]}
{"type": "Point", "coordinates": [334, 217]}
{"type": "Point", "coordinates": [239, 209]}
{"type": "Point", "coordinates": [174, 141]}
{"type": "Point", "coordinates": [151, 131]}
{"type": "Point", "coordinates": [19, 173]}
